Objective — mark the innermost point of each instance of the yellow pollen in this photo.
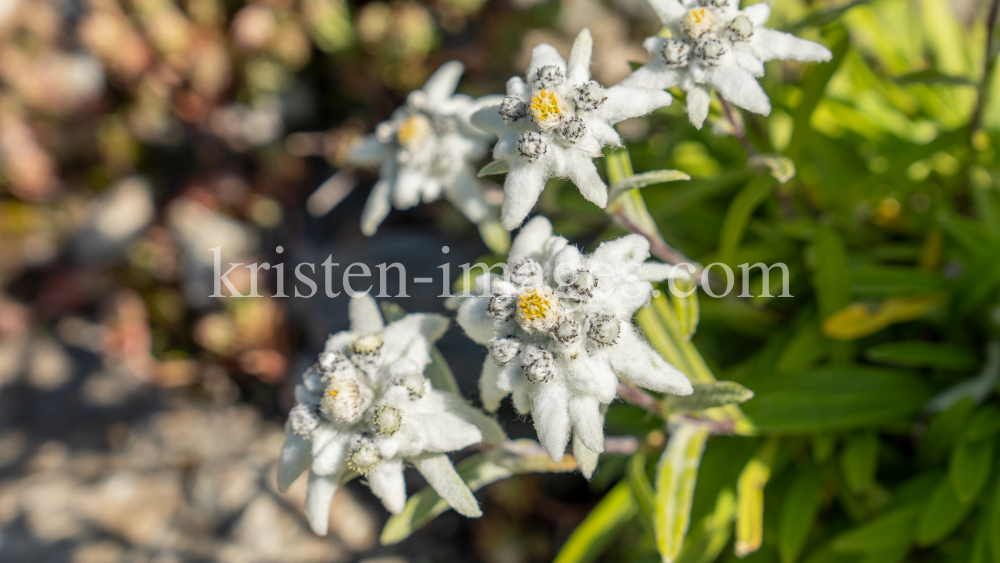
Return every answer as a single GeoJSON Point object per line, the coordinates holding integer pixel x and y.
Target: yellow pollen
{"type": "Point", "coordinates": [547, 108]}
{"type": "Point", "coordinates": [413, 130]}
{"type": "Point", "coordinates": [698, 14]}
{"type": "Point", "coordinates": [534, 306]}
{"type": "Point", "coordinates": [333, 393]}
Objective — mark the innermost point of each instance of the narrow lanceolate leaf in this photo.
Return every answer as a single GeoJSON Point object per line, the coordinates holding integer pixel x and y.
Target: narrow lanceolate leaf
{"type": "Point", "coordinates": [832, 277]}
{"type": "Point", "coordinates": [495, 167]}
{"type": "Point", "coordinates": [970, 466]}
{"type": "Point", "coordinates": [707, 396]}
{"type": "Point", "coordinates": [641, 487]}
{"type": "Point", "coordinates": [892, 529]}
{"type": "Point", "coordinates": [710, 536]}
{"type": "Point", "coordinates": [941, 515]}
{"type": "Point", "coordinates": [862, 319]}
{"type": "Point", "coordinates": [686, 307]}
{"type": "Point", "coordinates": [994, 516]}
{"type": "Point", "coordinates": [750, 499]}
{"type": "Point", "coordinates": [477, 471]}
{"type": "Point", "coordinates": [922, 354]}
{"type": "Point", "coordinates": [676, 475]}
{"type": "Point", "coordinates": [859, 461]}
{"type": "Point", "coordinates": [779, 166]}
{"type": "Point", "coordinates": [593, 535]}
{"type": "Point", "coordinates": [645, 179]}
{"type": "Point", "coordinates": [798, 513]}
{"type": "Point", "coordinates": [738, 215]}
{"type": "Point", "coordinates": [985, 422]}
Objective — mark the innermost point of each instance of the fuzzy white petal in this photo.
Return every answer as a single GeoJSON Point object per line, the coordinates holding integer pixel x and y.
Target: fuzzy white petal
{"type": "Point", "coordinates": [364, 315]}
{"type": "Point", "coordinates": [409, 185]}
{"type": "Point", "coordinates": [369, 152]}
{"type": "Point", "coordinates": [758, 14]}
{"type": "Point", "coordinates": [588, 422]}
{"type": "Point", "coordinates": [592, 377]}
{"type": "Point", "coordinates": [522, 398]}
{"type": "Point", "coordinates": [549, 411]}
{"type": "Point", "coordinates": [296, 456]}
{"type": "Point", "coordinates": [489, 428]}
{"type": "Point", "coordinates": [441, 432]}
{"type": "Point", "coordinates": [488, 119]}
{"type": "Point", "coordinates": [475, 320]}
{"type": "Point", "coordinates": [769, 44]}
{"type": "Point", "coordinates": [584, 175]}
{"type": "Point", "coordinates": [545, 55]}
{"type": "Point", "coordinates": [738, 86]}
{"type": "Point", "coordinates": [489, 392]}
{"type": "Point", "coordinates": [387, 482]}
{"type": "Point", "coordinates": [698, 100]}
{"type": "Point", "coordinates": [441, 475]}
{"type": "Point", "coordinates": [579, 58]}
{"type": "Point", "coordinates": [441, 85]}
{"type": "Point", "coordinates": [634, 360]}
{"type": "Point", "coordinates": [511, 376]}
{"type": "Point", "coordinates": [586, 459]}
{"type": "Point", "coordinates": [625, 103]}
{"type": "Point", "coordinates": [748, 60]}
{"type": "Point", "coordinates": [524, 184]}
{"type": "Point", "coordinates": [517, 88]}
{"type": "Point", "coordinates": [464, 193]}
{"type": "Point", "coordinates": [669, 11]}
{"type": "Point", "coordinates": [530, 239]}
{"type": "Point", "coordinates": [331, 458]}
{"type": "Point", "coordinates": [319, 495]}
{"type": "Point", "coordinates": [377, 207]}
{"type": "Point", "coordinates": [629, 248]}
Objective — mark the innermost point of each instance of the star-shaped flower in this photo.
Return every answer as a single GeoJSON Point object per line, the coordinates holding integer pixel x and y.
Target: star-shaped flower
{"type": "Point", "coordinates": [555, 122]}
{"type": "Point", "coordinates": [366, 406]}
{"type": "Point", "coordinates": [714, 44]}
{"type": "Point", "coordinates": [560, 334]}
{"type": "Point", "coordinates": [425, 149]}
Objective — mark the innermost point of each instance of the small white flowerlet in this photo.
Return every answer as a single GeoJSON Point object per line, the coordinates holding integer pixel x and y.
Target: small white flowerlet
{"type": "Point", "coordinates": [366, 407]}
{"type": "Point", "coordinates": [560, 334]}
{"type": "Point", "coordinates": [555, 122]}
{"type": "Point", "coordinates": [425, 149]}
{"type": "Point", "coordinates": [714, 44]}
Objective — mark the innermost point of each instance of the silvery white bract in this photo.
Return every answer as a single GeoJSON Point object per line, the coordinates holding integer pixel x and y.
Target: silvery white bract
{"type": "Point", "coordinates": [559, 331]}
{"type": "Point", "coordinates": [714, 44]}
{"type": "Point", "coordinates": [554, 123]}
{"type": "Point", "coordinates": [425, 149]}
{"type": "Point", "coordinates": [366, 406]}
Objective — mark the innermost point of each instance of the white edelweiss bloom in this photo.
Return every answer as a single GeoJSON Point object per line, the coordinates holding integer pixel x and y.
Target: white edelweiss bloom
{"type": "Point", "coordinates": [425, 149]}
{"type": "Point", "coordinates": [555, 122]}
{"type": "Point", "coordinates": [714, 44]}
{"type": "Point", "coordinates": [366, 407]}
{"type": "Point", "coordinates": [559, 332]}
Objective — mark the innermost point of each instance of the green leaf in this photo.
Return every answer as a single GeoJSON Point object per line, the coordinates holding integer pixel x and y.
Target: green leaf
{"type": "Point", "coordinates": [838, 398]}
{"type": "Point", "coordinates": [676, 474]}
{"type": "Point", "coordinates": [495, 167]}
{"type": "Point", "coordinates": [738, 216]}
{"type": "Point", "coordinates": [994, 516]}
{"type": "Point", "coordinates": [892, 529]}
{"type": "Point", "coordinates": [712, 533]}
{"type": "Point", "coordinates": [643, 180]}
{"type": "Point", "coordinates": [822, 18]}
{"type": "Point", "coordinates": [943, 513]}
{"type": "Point", "coordinates": [750, 499]}
{"type": "Point", "coordinates": [923, 354]}
{"type": "Point", "coordinates": [798, 513]}
{"type": "Point", "coordinates": [600, 527]}
{"type": "Point", "coordinates": [496, 237]}
{"type": "Point", "coordinates": [641, 487]}
{"type": "Point", "coordinates": [831, 277]}
{"type": "Point", "coordinates": [985, 422]}
{"type": "Point", "coordinates": [779, 166]}
{"type": "Point", "coordinates": [970, 466]}
{"type": "Point", "coordinates": [709, 395]}
{"type": "Point", "coordinates": [859, 461]}
{"type": "Point", "coordinates": [686, 307]}
{"type": "Point", "coordinates": [884, 281]}
{"type": "Point", "coordinates": [477, 471]}
{"type": "Point", "coordinates": [932, 76]}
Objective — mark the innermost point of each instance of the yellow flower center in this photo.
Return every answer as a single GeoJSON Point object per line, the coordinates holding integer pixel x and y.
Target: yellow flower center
{"type": "Point", "coordinates": [413, 130]}
{"type": "Point", "coordinates": [547, 108]}
{"type": "Point", "coordinates": [538, 310]}
{"type": "Point", "coordinates": [698, 22]}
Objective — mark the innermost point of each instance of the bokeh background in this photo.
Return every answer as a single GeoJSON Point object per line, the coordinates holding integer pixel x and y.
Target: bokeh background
{"type": "Point", "coordinates": [140, 420]}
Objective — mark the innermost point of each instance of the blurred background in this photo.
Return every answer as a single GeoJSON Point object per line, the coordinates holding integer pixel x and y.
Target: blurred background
{"type": "Point", "coordinates": [140, 420]}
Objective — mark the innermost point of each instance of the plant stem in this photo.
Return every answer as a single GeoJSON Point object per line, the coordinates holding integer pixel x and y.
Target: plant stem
{"type": "Point", "coordinates": [989, 66]}
{"type": "Point", "coordinates": [738, 130]}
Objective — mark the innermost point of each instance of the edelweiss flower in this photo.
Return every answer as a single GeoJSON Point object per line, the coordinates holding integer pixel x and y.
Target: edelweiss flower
{"type": "Point", "coordinates": [559, 333]}
{"type": "Point", "coordinates": [424, 150]}
{"type": "Point", "coordinates": [366, 406]}
{"type": "Point", "coordinates": [555, 123]}
{"type": "Point", "coordinates": [715, 44]}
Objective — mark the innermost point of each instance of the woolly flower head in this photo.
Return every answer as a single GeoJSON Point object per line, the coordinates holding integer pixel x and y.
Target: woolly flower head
{"type": "Point", "coordinates": [555, 122]}
{"type": "Point", "coordinates": [714, 44]}
{"type": "Point", "coordinates": [425, 149]}
{"type": "Point", "coordinates": [559, 332]}
{"type": "Point", "coordinates": [365, 407]}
